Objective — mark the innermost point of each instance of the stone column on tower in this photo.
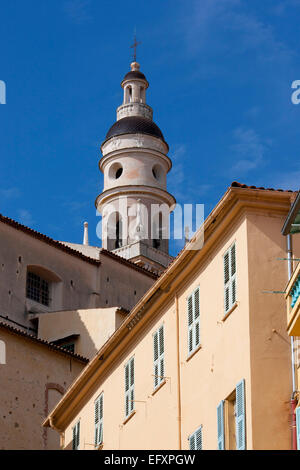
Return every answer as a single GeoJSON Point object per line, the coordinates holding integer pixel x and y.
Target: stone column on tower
{"type": "Point", "coordinates": [135, 204]}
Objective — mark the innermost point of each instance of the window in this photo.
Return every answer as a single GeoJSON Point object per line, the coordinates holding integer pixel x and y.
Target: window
{"type": "Point", "coordinates": [195, 440]}
{"type": "Point", "coordinates": [76, 436]}
{"type": "Point", "coordinates": [99, 420]}
{"type": "Point", "coordinates": [37, 289]}
{"type": "Point", "coordinates": [231, 420]}
{"type": "Point", "coordinates": [193, 311]}
{"type": "Point", "coordinates": [230, 278]}
{"type": "Point", "coordinates": [69, 347]}
{"type": "Point", "coordinates": [159, 358]}
{"type": "Point", "coordinates": [119, 232]}
{"type": "Point", "coordinates": [129, 387]}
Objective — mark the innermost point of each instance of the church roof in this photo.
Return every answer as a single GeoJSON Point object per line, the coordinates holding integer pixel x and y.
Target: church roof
{"type": "Point", "coordinates": [134, 74]}
{"type": "Point", "coordinates": [135, 125]}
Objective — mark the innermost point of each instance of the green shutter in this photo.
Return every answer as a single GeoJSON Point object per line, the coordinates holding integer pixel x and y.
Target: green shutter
{"type": "Point", "coordinates": [193, 310]}
{"type": "Point", "coordinates": [129, 387]}
{"type": "Point", "coordinates": [195, 440]}
{"type": "Point", "coordinates": [78, 435]}
{"type": "Point", "coordinates": [298, 427]}
{"type": "Point", "coordinates": [74, 438]}
{"type": "Point", "coordinates": [240, 418]}
{"type": "Point", "coordinates": [99, 420]}
{"type": "Point", "coordinates": [198, 434]}
{"type": "Point", "coordinates": [192, 441]}
{"type": "Point", "coordinates": [156, 358]}
{"type": "Point", "coordinates": [158, 354]}
{"type": "Point", "coordinates": [229, 260]}
{"type": "Point", "coordinates": [220, 424]}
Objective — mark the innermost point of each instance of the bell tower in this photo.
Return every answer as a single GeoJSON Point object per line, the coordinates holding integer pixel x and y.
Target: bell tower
{"type": "Point", "coordinates": [135, 205]}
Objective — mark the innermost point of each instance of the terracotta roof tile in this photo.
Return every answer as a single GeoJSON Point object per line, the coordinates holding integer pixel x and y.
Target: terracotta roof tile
{"type": "Point", "coordinates": [46, 239]}
{"type": "Point", "coordinates": [235, 184]}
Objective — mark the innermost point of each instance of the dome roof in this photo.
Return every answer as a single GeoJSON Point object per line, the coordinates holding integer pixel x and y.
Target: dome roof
{"type": "Point", "coordinates": [135, 125]}
{"type": "Point", "coordinates": [134, 74]}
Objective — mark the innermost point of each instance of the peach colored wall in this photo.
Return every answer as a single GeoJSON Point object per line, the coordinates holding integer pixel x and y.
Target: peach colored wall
{"type": "Point", "coordinates": [94, 327]}
{"type": "Point", "coordinates": [270, 344]}
{"type": "Point", "coordinates": [29, 382]}
{"type": "Point", "coordinates": [233, 349]}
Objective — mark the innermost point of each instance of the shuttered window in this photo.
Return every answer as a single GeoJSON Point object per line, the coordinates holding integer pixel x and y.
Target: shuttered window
{"type": "Point", "coordinates": [129, 387]}
{"type": "Point", "coordinates": [230, 278]}
{"type": "Point", "coordinates": [99, 420]}
{"type": "Point", "coordinates": [193, 314]}
{"type": "Point", "coordinates": [159, 356]}
{"type": "Point", "coordinates": [195, 440]}
{"type": "Point", "coordinates": [76, 436]}
{"type": "Point", "coordinates": [220, 426]}
{"type": "Point", "coordinates": [240, 416]}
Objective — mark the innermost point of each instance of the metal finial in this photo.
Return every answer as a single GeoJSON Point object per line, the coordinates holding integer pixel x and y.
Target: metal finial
{"type": "Point", "coordinates": [134, 46]}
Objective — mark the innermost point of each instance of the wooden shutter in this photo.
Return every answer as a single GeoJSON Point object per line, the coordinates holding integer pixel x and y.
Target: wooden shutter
{"type": "Point", "coordinates": [190, 324]}
{"type": "Point", "coordinates": [131, 384]}
{"type": "Point", "coordinates": [192, 441]}
{"type": "Point", "coordinates": [195, 440]}
{"type": "Point", "coordinates": [193, 311]}
{"type": "Point", "coordinates": [220, 424]}
{"type": "Point", "coordinates": [196, 299]}
{"type": "Point", "coordinates": [298, 427]}
{"type": "Point", "coordinates": [99, 420]}
{"type": "Point", "coordinates": [129, 387]}
{"type": "Point", "coordinates": [156, 358]}
{"type": "Point", "coordinates": [78, 435]}
{"type": "Point", "coordinates": [127, 397]}
{"type": "Point", "coordinates": [74, 438]}
{"type": "Point", "coordinates": [229, 278]}
{"type": "Point", "coordinates": [158, 354]}
{"type": "Point", "coordinates": [198, 435]}
{"type": "Point", "coordinates": [240, 418]}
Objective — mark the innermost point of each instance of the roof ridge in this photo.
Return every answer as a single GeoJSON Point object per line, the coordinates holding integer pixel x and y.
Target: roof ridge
{"type": "Point", "coordinates": [47, 239]}
{"type": "Point", "coordinates": [236, 184]}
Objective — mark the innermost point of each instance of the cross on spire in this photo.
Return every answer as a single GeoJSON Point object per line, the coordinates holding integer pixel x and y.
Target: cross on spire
{"type": "Point", "coordinates": [134, 46]}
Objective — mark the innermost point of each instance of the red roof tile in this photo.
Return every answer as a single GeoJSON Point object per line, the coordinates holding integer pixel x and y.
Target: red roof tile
{"type": "Point", "coordinates": [235, 184]}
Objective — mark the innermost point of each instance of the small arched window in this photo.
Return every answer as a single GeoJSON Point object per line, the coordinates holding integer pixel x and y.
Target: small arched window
{"type": "Point", "coordinates": [119, 230]}
{"type": "Point", "coordinates": [157, 241]}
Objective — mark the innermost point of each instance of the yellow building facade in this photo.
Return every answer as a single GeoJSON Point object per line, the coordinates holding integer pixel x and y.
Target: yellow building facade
{"type": "Point", "coordinates": [203, 360]}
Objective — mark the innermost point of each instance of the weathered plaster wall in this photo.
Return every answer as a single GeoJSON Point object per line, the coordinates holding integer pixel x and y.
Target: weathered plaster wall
{"type": "Point", "coordinates": [32, 382]}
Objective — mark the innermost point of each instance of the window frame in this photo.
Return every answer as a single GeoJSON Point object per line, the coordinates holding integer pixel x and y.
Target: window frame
{"type": "Point", "coordinates": [41, 292]}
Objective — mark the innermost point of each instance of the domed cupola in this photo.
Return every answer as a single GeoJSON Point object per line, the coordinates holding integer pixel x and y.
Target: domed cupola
{"type": "Point", "coordinates": [135, 166]}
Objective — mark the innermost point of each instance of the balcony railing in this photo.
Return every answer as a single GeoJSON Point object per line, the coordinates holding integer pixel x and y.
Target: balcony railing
{"type": "Point", "coordinates": [293, 303]}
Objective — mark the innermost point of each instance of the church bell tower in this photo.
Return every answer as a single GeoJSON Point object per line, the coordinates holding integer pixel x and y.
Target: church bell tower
{"type": "Point", "coordinates": [135, 205]}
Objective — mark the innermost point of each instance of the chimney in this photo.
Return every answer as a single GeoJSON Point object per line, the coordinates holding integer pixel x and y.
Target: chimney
{"type": "Point", "coordinates": [86, 233]}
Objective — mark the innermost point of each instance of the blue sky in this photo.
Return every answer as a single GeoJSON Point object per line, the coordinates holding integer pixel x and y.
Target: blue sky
{"type": "Point", "coordinates": [220, 74]}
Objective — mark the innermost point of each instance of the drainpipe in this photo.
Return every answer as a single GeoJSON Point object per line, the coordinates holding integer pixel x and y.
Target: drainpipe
{"type": "Point", "coordinates": [293, 399]}
{"type": "Point", "coordinates": [178, 374]}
